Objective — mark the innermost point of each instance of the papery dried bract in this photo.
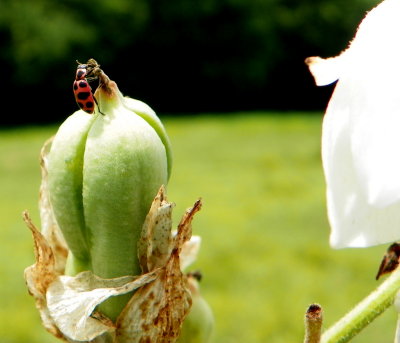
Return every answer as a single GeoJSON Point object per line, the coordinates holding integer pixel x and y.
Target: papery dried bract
{"type": "Point", "coordinates": [72, 300]}
{"type": "Point", "coordinates": [50, 229]}
{"type": "Point", "coordinates": [156, 311]}
{"type": "Point", "coordinates": [160, 304]}
{"type": "Point", "coordinates": [66, 303]}
{"type": "Point", "coordinates": [40, 275]}
{"type": "Point", "coordinates": [154, 246]}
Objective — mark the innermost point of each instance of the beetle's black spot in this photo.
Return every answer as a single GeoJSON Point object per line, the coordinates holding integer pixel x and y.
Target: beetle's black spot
{"type": "Point", "coordinates": [83, 95]}
{"type": "Point", "coordinates": [80, 74]}
{"type": "Point", "coordinates": [89, 104]}
{"type": "Point", "coordinates": [75, 86]}
{"type": "Point", "coordinates": [83, 84]}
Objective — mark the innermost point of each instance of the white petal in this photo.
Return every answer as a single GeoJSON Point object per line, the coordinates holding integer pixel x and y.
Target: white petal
{"type": "Point", "coordinates": [325, 71]}
{"type": "Point", "coordinates": [361, 136]}
{"type": "Point", "coordinates": [189, 252]}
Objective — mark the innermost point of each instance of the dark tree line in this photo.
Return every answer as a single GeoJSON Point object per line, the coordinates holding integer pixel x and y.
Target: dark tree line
{"type": "Point", "coordinates": [180, 56]}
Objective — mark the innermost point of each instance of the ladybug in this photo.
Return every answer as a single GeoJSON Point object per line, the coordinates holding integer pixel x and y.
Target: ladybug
{"type": "Point", "coordinates": [82, 90]}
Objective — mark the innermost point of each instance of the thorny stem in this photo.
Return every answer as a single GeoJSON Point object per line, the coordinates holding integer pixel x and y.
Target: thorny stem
{"type": "Point", "coordinates": [365, 312]}
{"type": "Point", "coordinates": [313, 324]}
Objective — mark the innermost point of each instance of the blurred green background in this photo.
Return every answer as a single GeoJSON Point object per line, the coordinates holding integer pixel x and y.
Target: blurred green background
{"type": "Point", "coordinates": [244, 117]}
{"type": "Point", "coordinates": [265, 255]}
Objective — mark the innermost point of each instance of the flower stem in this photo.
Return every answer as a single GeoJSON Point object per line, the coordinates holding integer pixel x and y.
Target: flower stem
{"type": "Point", "coordinates": [397, 334]}
{"type": "Point", "coordinates": [313, 324]}
{"type": "Point", "coordinates": [365, 312]}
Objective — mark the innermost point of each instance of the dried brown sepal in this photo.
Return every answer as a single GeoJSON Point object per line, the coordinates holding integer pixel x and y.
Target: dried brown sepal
{"type": "Point", "coordinates": [40, 275]}
{"type": "Point", "coordinates": [185, 226]}
{"type": "Point", "coordinates": [156, 311]}
{"type": "Point", "coordinates": [154, 246]}
{"type": "Point", "coordinates": [160, 304]}
{"type": "Point", "coordinates": [72, 301]}
{"type": "Point", "coordinates": [49, 228]}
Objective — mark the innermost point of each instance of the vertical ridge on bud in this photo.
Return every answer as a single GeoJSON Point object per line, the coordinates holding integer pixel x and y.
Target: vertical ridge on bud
{"type": "Point", "coordinates": [145, 111]}
{"type": "Point", "coordinates": [65, 186]}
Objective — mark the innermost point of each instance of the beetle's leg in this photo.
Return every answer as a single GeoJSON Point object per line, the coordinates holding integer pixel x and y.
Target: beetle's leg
{"type": "Point", "coordinates": [98, 106]}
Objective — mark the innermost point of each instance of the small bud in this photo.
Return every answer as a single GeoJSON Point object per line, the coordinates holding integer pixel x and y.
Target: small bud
{"type": "Point", "coordinates": [199, 323]}
{"type": "Point", "coordinates": [390, 260]}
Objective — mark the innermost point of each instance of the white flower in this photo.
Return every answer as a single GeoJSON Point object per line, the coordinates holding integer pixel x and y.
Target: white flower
{"type": "Point", "coordinates": [361, 132]}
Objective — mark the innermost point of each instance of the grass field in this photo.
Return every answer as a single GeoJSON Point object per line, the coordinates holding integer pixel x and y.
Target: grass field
{"type": "Point", "coordinates": [265, 255]}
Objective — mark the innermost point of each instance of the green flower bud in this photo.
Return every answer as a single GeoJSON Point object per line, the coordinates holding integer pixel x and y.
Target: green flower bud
{"type": "Point", "coordinates": [199, 323]}
{"type": "Point", "coordinates": [103, 173]}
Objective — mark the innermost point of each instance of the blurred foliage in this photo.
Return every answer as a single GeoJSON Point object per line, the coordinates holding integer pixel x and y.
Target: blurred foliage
{"type": "Point", "coordinates": [181, 55]}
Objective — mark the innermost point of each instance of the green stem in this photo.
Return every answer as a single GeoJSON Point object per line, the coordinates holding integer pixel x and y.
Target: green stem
{"type": "Point", "coordinates": [397, 335]}
{"type": "Point", "coordinates": [365, 312]}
